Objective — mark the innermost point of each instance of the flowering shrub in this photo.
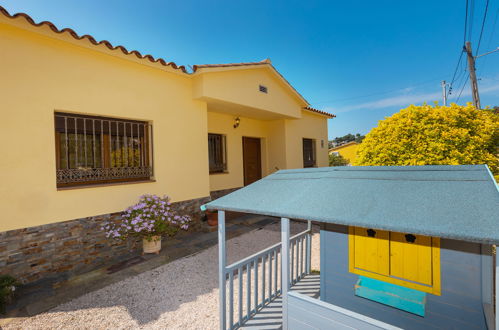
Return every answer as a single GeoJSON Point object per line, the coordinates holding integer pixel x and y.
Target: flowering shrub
{"type": "Point", "coordinates": [151, 216]}
{"type": "Point", "coordinates": [434, 135]}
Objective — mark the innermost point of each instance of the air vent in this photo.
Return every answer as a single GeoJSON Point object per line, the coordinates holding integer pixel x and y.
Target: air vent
{"type": "Point", "coordinates": [263, 89]}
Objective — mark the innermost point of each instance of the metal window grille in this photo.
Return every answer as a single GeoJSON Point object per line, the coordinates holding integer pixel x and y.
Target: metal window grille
{"type": "Point", "coordinates": [217, 153]}
{"type": "Point", "coordinates": [91, 149]}
{"type": "Point", "coordinates": [308, 153]}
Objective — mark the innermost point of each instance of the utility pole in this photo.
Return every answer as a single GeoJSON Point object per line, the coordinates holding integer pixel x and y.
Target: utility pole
{"type": "Point", "coordinates": [444, 92]}
{"type": "Point", "coordinates": [471, 68]}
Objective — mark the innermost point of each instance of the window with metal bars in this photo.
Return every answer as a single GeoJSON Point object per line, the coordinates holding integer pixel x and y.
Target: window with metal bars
{"type": "Point", "coordinates": [309, 153]}
{"type": "Point", "coordinates": [217, 152]}
{"type": "Point", "coordinates": [93, 150]}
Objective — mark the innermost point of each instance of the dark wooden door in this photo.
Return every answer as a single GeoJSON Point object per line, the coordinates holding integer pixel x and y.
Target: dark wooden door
{"type": "Point", "coordinates": [252, 160]}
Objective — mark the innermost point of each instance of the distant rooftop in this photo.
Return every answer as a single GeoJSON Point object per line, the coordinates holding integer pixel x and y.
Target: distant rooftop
{"type": "Point", "coordinates": [449, 201]}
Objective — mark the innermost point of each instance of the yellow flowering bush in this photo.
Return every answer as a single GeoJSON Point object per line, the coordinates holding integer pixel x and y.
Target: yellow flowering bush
{"type": "Point", "coordinates": [434, 135]}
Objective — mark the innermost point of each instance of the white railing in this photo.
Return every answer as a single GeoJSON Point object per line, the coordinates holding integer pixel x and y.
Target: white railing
{"type": "Point", "coordinates": [258, 278]}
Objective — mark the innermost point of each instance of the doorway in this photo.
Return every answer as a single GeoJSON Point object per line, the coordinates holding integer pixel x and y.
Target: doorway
{"type": "Point", "coordinates": [252, 160]}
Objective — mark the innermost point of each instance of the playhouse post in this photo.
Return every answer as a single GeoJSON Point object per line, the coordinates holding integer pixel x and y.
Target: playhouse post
{"type": "Point", "coordinates": [285, 269]}
{"type": "Point", "coordinates": [221, 267]}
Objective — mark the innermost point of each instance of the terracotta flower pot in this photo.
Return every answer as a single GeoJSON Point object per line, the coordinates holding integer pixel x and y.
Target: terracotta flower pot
{"type": "Point", "coordinates": [152, 246]}
{"type": "Point", "coordinates": [212, 218]}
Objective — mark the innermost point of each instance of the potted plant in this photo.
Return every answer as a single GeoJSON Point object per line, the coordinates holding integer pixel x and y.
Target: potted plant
{"type": "Point", "coordinates": [212, 217]}
{"type": "Point", "coordinates": [149, 219]}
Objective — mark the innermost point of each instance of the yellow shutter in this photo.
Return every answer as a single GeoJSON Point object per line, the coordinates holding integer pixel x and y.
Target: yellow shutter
{"type": "Point", "coordinates": [393, 258]}
{"type": "Point", "coordinates": [372, 253]}
{"type": "Point", "coordinates": [411, 261]}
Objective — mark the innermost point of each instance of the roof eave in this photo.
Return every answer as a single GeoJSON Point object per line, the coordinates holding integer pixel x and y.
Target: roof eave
{"type": "Point", "coordinates": [85, 40]}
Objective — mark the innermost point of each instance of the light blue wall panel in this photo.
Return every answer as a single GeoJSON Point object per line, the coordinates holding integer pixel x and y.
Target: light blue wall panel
{"type": "Point", "coordinates": [309, 313]}
{"type": "Point", "coordinates": [459, 306]}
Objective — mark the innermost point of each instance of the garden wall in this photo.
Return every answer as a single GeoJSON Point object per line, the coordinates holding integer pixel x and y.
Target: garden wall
{"type": "Point", "coordinates": [60, 250]}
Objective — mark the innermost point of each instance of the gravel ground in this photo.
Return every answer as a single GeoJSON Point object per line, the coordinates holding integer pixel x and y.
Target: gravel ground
{"type": "Point", "coordinates": [180, 295]}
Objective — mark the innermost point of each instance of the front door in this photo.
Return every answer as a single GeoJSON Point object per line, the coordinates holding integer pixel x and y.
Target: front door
{"type": "Point", "coordinates": [252, 160]}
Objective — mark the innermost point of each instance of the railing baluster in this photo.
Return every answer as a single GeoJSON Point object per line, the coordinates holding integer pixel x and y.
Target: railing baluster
{"type": "Point", "coordinates": [280, 268]}
{"type": "Point", "coordinates": [240, 276]}
{"type": "Point", "coordinates": [309, 247]}
{"type": "Point", "coordinates": [301, 259]}
{"type": "Point", "coordinates": [263, 278]}
{"type": "Point", "coordinates": [276, 272]}
{"type": "Point", "coordinates": [255, 279]}
{"type": "Point", "coordinates": [269, 280]}
{"type": "Point", "coordinates": [292, 263]}
{"type": "Point", "coordinates": [248, 290]}
{"type": "Point", "coordinates": [270, 277]}
{"type": "Point", "coordinates": [231, 299]}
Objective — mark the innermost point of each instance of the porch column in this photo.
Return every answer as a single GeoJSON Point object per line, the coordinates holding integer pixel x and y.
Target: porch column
{"type": "Point", "coordinates": [221, 267]}
{"type": "Point", "coordinates": [285, 270]}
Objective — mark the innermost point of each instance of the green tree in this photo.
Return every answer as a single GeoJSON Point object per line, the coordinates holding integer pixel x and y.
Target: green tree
{"type": "Point", "coordinates": [345, 139]}
{"type": "Point", "coordinates": [337, 160]}
{"type": "Point", "coordinates": [432, 135]}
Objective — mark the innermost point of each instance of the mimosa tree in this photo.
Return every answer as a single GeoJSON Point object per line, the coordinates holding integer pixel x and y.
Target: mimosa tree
{"type": "Point", "coordinates": [434, 135]}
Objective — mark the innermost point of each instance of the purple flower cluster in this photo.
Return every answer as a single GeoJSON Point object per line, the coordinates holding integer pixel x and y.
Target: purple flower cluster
{"type": "Point", "coordinates": [151, 216]}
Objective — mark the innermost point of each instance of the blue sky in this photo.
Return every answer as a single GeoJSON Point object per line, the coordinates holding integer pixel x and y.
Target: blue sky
{"type": "Point", "coordinates": [362, 60]}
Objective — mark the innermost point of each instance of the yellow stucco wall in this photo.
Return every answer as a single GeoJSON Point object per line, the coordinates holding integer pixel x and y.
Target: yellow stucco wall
{"type": "Point", "coordinates": [220, 123]}
{"type": "Point", "coordinates": [241, 87]}
{"type": "Point", "coordinates": [281, 143]}
{"type": "Point", "coordinates": [349, 151]}
{"type": "Point", "coordinates": [41, 75]}
{"type": "Point", "coordinates": [311, 126]}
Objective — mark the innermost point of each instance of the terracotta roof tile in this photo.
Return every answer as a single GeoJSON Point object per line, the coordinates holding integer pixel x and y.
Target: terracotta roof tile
{"type": "Point", "coordinates": [200, 66]}
{"type": "Point", "coordinates": [320, 112]}
{"type": "Point", "coordinates": [91, 39]}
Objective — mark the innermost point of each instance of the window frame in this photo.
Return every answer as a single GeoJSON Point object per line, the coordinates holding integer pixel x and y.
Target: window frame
{"type": "Point", "coordinates": [136, 148]}
{"type": "Point", "coordinates": [222, 166]}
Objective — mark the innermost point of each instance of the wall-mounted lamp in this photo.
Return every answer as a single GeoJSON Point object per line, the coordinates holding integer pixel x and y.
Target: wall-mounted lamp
{"type": "Point", "coordinates": [236, 122]}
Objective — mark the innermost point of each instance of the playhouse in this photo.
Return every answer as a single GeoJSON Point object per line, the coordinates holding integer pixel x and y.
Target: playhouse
{"type": "Point", "coordinates": [408, 247]}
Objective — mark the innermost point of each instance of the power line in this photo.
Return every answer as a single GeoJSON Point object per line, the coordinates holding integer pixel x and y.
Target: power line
{"type": "Point", "coordinates": [454, 75]}
{"type": "Point", "coordinates": [465, 22]}
{"type": "Point", "coordinates": [464, 85]}
{"type": "Point", "coordinates": [489, 43]}
{"type": "Point", "coordinates": [483, 25]}
{"type": "Point", "coordinates": [472, 14]}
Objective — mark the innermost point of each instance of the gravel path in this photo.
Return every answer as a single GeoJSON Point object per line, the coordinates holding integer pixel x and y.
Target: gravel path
{"type": "Point", "coordinates": [182, 294]}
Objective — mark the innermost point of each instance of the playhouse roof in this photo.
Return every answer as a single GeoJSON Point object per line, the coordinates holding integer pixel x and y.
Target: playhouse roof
{"type": "Point", "coordinates": [449, 201]}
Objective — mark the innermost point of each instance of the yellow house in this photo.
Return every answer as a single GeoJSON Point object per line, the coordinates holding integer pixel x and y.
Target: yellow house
{"type": "Point", "coordinates": [88, 127]}
{"type": "Point", "coordinates": [347, 151]}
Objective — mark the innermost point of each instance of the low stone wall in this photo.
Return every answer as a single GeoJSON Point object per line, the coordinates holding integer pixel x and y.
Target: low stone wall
{"type": "Point", "coordinates": [220, 193]}
{"type": "Point", "coordinates": [59, 250]}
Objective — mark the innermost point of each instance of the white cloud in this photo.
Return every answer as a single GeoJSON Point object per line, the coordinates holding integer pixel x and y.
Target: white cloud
{"type": "Point", "coordinates": [407, 99]}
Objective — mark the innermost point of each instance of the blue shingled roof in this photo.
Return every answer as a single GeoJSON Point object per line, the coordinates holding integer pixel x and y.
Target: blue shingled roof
{"type": "Point", "coordinates": [459, 202]}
